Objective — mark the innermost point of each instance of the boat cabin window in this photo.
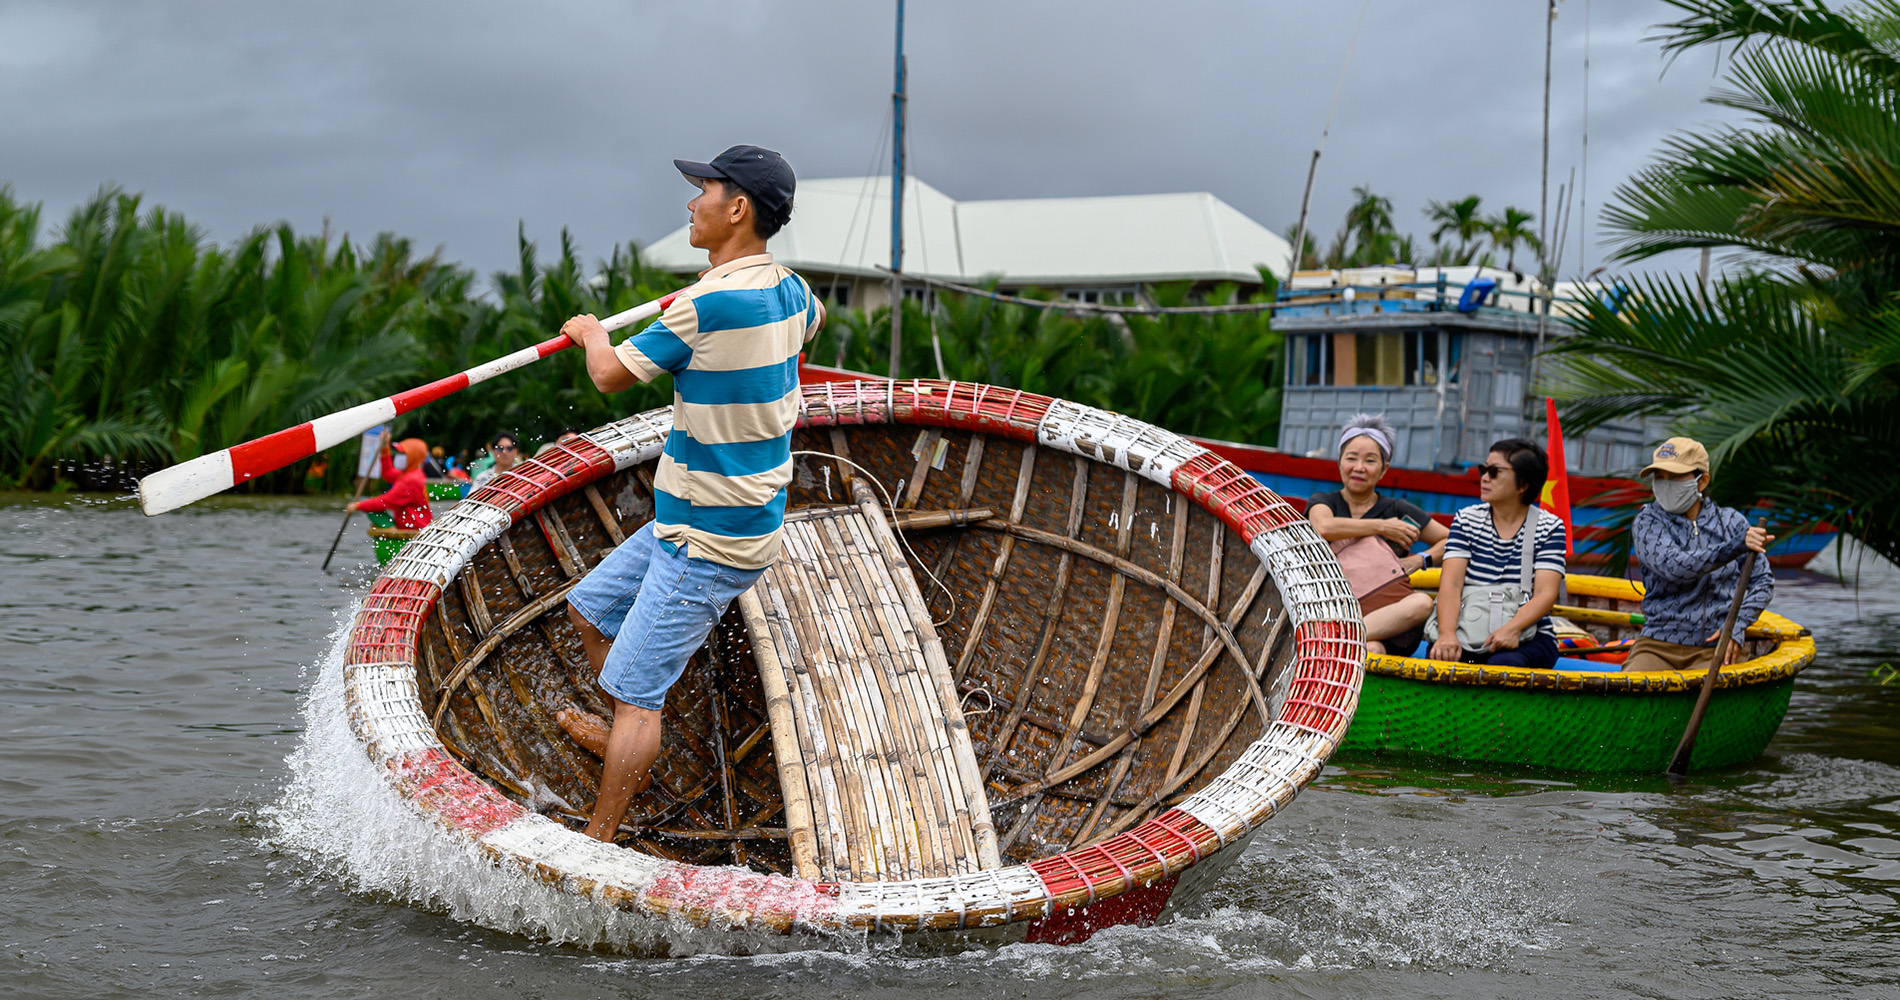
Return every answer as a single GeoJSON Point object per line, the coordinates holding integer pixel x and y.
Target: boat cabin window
{"type": "Point", "coordinates": [1371, 360]}
{"type": "Point", "coordinates": [1311, 362]}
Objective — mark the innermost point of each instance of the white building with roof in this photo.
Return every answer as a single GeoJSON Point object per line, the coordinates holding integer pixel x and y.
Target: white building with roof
{"type": "Point", "coordinates": [1092, 248]}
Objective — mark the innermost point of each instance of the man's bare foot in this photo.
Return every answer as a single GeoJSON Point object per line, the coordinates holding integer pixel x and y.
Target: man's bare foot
{"type": "Point", "coordinates": [1375, 647]}
{"type": "Point", "coordinates": [584, 727]}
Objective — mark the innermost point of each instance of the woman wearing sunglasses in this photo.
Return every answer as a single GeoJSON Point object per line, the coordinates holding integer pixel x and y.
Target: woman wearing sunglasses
{"type": "Point", "coordinates": [1486, 613]}
{"type": "Point", "coordinates": [1395, 614]}
{"type": "Point", "coordinates": [503, 452]}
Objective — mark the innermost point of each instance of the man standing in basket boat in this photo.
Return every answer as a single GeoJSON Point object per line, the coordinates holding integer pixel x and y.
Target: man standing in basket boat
{"type": "Point", "coordinates": [731, 343]}
{"type": "Point", "coordinates": [1689, 551]}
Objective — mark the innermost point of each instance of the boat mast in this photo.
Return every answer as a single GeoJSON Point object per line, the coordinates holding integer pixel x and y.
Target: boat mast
{"type": "Point", "coordinates": [897, 198]}
{"type": "Point", "coordinates": [1543, 191]}
{"type": "Point", "coordinates": [1547, 270]}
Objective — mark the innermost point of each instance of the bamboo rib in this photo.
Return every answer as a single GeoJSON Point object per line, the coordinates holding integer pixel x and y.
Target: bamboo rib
{"type": "Point", "coordinates": [475, 601]}
{"type": "Point", "coordinates": [608, 522]}
{"type": "Point", "coordinates": [1164, 634]}
{"type": "Point", "coordinates": [966, 488]}
{"type": "Point", "coordinates": [513, 559]}
{"type": "Point", "coordinates": [1070, 545]}
{"type": "Point", "coordinates": [1078, 495]}
{"type": "Point", "coordinates": [924, 520]}
{"type": "Point", "coordinates": [465, 665]}
{"type": "Point", "coordinates": [1025, 473]}
{"type": "Point", "coordinates": [1092, 683]}
{"type": "Point", "coordinates": [915, 491]}
{"type": "Point", "coordinates": [565, 551]}
{"type": "Point", "coordinates": [1191, 680]}
{"type": "Point", "coordinates": [717, 700]}
{"type": "Point", "coordinates": [1186, 736]}
{"type": "Point", "coordinates": [1174, 782]}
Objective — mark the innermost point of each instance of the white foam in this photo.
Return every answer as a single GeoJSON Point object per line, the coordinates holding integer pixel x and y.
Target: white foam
{"type": "Point", "coordinates": [339, 812]}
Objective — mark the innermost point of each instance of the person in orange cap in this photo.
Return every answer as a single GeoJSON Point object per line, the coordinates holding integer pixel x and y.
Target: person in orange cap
{"type": "Point", "coordinates": [1689, 550]}
{"type": "Point", "coordinates": [408, 498]}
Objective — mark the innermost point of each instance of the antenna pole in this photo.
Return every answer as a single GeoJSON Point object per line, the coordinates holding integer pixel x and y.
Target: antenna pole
{"type": "Point", "coordinates": [1543, 191]}
{"type": "Point", "coordinates": [897, 198]}
{"type": "Point", "coordinates": [1299, 231]}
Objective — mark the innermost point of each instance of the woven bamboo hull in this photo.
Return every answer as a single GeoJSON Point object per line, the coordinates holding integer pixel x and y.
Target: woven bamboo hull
{"type": "Point", "coordinates": [1156, 653]}
{"type": "Point", "coordinates": [1580, 720]}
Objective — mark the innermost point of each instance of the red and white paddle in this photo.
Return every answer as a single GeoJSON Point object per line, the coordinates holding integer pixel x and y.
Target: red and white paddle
{"type": "Point", "coordinates": [192, 481]}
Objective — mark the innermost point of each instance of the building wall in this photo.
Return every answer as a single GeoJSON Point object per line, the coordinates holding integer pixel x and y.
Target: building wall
{"type": "Point", "coordinates": [1483, 402]}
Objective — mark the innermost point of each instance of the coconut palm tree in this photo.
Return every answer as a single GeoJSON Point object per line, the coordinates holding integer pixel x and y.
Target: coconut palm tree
{"type": "Point", "coordinates": [1511, 230]}
{"type": "Point", "coordinates": [1460, 219]}
{"type": "Point", "coordinates": [1790, 369]}
{"type": "Point", "coordinates": [1369, 229]}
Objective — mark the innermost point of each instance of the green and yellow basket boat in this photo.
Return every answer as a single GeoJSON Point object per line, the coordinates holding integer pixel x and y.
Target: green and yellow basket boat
{"type": "Point", "coordinates": [1588, 718]}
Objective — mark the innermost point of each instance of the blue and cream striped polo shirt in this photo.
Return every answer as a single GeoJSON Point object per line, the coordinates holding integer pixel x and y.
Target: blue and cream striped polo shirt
{"type": "Point", "coordinates": [731, 342]}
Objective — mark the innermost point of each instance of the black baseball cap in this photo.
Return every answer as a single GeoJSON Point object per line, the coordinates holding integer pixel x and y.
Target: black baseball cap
{"type": "Point", "coordinates": [761, 172]}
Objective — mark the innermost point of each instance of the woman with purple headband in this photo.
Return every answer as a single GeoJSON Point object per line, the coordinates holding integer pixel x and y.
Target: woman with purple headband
{"type": "Point", "coordinates": [1394, 621]}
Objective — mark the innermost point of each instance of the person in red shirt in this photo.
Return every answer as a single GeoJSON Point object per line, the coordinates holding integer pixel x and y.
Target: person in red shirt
{"type": "Point", "coordinates": [408, 498]}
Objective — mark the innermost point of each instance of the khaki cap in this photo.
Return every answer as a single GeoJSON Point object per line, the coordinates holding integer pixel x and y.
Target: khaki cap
{"type": "Point", "coordinates": [1678, 455]}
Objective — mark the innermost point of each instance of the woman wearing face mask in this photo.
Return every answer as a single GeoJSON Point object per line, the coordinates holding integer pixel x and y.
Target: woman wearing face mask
{"type": "Point", "coordinates": [1690, 552]}
{"type": "Point", "coordinates": [1486, 550]}
{"type": "Point", "coordinates": [408, 498]}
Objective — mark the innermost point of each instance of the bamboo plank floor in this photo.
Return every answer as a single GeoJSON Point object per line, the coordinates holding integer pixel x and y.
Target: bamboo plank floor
{"type": "Point", "coordinates": [860, 693]}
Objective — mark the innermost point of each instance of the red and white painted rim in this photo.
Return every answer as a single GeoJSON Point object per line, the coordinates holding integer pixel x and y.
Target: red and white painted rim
{"type": "Point", "coordinates": [1063, 897]}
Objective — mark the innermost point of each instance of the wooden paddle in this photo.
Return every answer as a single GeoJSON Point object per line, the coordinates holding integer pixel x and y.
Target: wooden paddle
{"type": "Point", "coordinates": [361, 481]}
{"type": "Point", "coordinates": [189, 482]}
{"type": "Point", "coordinates": [1680, 765]}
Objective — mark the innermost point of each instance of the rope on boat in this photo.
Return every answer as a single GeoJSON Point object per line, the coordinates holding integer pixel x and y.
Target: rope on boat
{"type": "Point", "coordinates": [891, 505]}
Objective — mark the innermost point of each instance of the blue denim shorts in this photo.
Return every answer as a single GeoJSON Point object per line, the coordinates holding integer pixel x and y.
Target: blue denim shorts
{"type": "Point", "coordinates": [657, 605]}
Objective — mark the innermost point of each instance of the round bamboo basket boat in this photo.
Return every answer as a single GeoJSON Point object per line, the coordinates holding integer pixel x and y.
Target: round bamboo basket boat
{"type": "Point", "coordinates": [1152, 652]}
{"type": "Point", "coordinates": [1581, 719]}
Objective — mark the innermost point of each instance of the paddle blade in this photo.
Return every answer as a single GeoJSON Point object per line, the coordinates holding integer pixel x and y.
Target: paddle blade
{"type": "Point", "coordinates": [191, 481]}
{"type": "Point", "coordinates": [174, 487]}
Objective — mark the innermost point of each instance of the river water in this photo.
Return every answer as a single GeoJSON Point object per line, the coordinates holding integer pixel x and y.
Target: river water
{"type": "Point", "coordinates": [162, 777]}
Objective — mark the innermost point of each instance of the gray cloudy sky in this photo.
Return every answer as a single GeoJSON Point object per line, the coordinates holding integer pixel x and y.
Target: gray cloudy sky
{"type": "Point", "coordinates": [449, 122]}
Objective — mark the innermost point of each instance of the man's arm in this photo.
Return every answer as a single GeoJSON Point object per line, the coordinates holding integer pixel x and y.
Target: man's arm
{"type": "Point", "coordinates": [1667, 560]}
{"type": "Point", "coordinates": [603, 365]}
{"type": "Point", "coordinates": [1761, 587]}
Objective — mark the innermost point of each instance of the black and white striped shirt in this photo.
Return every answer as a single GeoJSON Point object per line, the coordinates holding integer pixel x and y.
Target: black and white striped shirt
{"type": "Point", "coordinates": [1498, 560]}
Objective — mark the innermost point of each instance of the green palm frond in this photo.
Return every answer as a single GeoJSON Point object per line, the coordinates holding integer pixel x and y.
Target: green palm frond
{"type": "Point", "coordinates": [1859, 40]}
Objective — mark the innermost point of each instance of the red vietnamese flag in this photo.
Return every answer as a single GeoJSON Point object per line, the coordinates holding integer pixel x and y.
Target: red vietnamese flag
{"type": "Point", "coordinates": [1556, 498]}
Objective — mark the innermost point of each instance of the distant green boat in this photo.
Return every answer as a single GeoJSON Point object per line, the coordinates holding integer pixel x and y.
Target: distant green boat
{"type": "Point", "coordinates": [389, 539]}
{"type": "Point", "coordinates": [1589, 717]}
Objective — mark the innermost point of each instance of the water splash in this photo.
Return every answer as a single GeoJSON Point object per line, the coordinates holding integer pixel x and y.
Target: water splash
{"type": "Point", "coordinates": [1359, 907]}
{"type": "Point", "coordinates": [340, 815]}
